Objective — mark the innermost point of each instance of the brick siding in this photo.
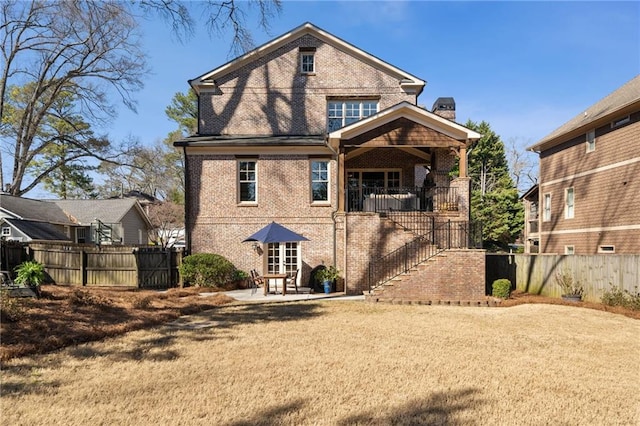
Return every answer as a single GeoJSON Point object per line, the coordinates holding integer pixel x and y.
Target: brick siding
{"type": "Point", "coordinates": [455, 275]}
{"type": "Point", "coordinates": [269, 96]}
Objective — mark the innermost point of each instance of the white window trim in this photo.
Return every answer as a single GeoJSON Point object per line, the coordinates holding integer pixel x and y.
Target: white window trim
{"type": "Point", "coordinates": [239, 182]}
{"type": "Point", "coordinates": [344, 103]}
{"type": "Point", "coordinates": [6, 231]}
{"type": "Point", "coordinates": [606, 248]}
{"type": "Point", "coordinates": [570, 249]}
{"type": "Point", "coordinates": [590, 139]}
{"type": "Point", "coordinates": [545, 217]}
{"type": "Point", "coordinates": [313, 63]}
{"type": "Point", "coordinates": [311, 181]}
{"type": "Point", "coordinates": [569, 214]}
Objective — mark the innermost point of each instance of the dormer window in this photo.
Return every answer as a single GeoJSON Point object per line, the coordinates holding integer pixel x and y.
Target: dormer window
{"type": "Point", "coordinates": [307, 60]}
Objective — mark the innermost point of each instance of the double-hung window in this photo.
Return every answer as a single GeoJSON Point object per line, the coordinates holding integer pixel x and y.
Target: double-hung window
{"type": "Point", "coordinates": [341, 113]}
{"type": "Point", "coordinates": [307, 63]}
{"type": "Point", "coordinates": [546, 212]}
{"type": "Point", "coordinates": [319, 181]}
{"type": "Point", "coordinates": [247, 181]}
{"type": "Point", "coordinates": [591, 140]}
{"type": "Point", "coordinates": [569, 201]}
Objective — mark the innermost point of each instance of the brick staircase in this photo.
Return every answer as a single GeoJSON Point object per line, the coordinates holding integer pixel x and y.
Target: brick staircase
{"type": "Point", "coordinates": [451, 276]}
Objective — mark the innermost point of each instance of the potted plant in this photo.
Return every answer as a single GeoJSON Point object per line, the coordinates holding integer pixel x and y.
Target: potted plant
{"type": "Point", "coordinates": [327, 276]}
{"type": "Point", "coordinates": [31, 274]}
{"type": "Point", "coordinates": [571, 290]}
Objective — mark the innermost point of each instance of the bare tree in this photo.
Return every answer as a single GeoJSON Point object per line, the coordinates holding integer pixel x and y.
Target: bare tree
{"type": "Point", "coordinates": [77, 50]}
{"type": "Point", "coordinates": [167, 219]}
{"type": "Point", "coordinates": [86, 51]}
{"type": "Point", "coordinates": [523, 165]}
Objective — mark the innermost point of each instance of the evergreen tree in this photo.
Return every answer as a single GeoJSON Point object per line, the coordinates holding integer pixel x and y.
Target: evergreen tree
{"type": "Point", "coordinates": [494, 197]}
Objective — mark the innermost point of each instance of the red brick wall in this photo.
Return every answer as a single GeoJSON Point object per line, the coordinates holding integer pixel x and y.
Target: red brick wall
{"type": "Point", "coordinates": [456, 275]}
{"type": "Point", "coordinates": [294, 103]}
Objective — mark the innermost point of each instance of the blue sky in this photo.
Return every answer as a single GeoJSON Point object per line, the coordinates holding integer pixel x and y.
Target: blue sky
{"type": "Point", "coordinates": [524, 67]}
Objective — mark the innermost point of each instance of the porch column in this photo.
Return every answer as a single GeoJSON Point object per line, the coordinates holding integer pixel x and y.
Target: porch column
{"type": "Point", "coordinates": [463, 161]}
{"type": "Point", "coordinates": [341, 195]}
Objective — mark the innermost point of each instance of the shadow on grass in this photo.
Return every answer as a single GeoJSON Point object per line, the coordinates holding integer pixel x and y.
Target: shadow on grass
{"type": "Point", "coordinates": [214, 324]}
{"type": "Point", "coordinates": [440, 408]}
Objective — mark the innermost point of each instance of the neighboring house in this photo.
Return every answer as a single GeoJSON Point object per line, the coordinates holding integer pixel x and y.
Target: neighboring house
{"type": "Point", "coordinates": [313, 133]}
{"type": "Point", "coordinates": [112, 221]}
{"type": "Point", "coordinates": [531, 230]}
{"type": "Point", "coordinates": [120, 221]}
{"type": "Point", "coordinates": [25, 220]}
{"type": "Point", "coordinates": [589, 186]}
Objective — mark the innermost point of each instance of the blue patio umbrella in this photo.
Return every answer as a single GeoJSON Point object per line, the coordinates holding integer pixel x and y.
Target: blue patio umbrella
{"type": "Point", "coordinates": [275, 233]}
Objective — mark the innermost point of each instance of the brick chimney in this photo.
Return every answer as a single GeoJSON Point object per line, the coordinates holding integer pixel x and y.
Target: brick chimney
{"type": "Point", "coordinates": [445, 107]}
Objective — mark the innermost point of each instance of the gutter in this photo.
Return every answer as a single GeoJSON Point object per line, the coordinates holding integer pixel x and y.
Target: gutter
{"type": "Point", "coordinates": [187, 201]}
{"type": "Point", "coordinates": [334, 212]}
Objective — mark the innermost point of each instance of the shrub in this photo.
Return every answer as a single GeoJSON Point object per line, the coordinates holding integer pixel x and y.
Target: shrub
{"type": "Point", "coordinates": [501, 288]}
{"type": "Point", "coordinates": [624, 298]}
{"type": "Point", "coordinates": [207, 270]}
{"type": "Point", "coordinates": [30, 273]}
{"type": "Point", "coordinates": [614, 297]}
{"type": "Point", "coordinates": [567, 285]}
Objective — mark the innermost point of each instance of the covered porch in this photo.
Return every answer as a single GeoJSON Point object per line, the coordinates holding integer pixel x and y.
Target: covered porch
{"type": "Point", "coordinates": [404, 158]}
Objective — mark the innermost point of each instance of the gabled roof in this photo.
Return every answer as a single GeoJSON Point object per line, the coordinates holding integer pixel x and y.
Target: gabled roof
{"type": "Point", "coordinates": [29, 209]}
{"type": "Point", "coordinates": [109, 211]}
{"type": "Point", "coordinates": [627, 97]}
{"type": "Point", "coordinates": [413, 113]}
{"type": "Point", "coordinates": [38, 230]}
{"type": "Point", "coordinates": [406, 80]}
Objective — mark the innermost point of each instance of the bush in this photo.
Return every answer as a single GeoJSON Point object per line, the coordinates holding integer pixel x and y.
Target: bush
{"type": "Point", "coordinates": [567, 285]}
{"type": "Point", "coordinates": [30, 273]}
{"type": "Point", "coordinates": [207, 270]}
{"type": "Point", "coordinates": [624, 298]}
{"type": "Point", "coordinates": [501, 288]}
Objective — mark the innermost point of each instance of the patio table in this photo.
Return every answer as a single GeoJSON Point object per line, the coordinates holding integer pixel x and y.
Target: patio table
{"type": "Point", "coordinates": [281, 277]}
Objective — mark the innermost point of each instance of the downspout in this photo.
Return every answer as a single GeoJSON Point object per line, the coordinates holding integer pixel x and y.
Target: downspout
{"type": "Point", "coordinates": [335, 211]}
{"type": "Point", "coordinates": [187, 201]}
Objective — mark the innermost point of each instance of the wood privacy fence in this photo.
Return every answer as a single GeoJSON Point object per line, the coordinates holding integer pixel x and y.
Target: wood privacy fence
{"type": "Point", "coordinates": [13, 253]}
{"type": "Point", "coordinates": [536, 273]}
{"type": "Point", "coordinates": [109, 266]}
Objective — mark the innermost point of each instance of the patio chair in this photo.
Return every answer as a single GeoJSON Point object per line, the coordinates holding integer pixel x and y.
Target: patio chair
{"type": "Point", "coordinates": [256, 280]}
{"type": "Point", "coordinates": [292, 282]}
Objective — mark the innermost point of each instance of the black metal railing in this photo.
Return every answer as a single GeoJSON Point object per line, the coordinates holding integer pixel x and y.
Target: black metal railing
{"type": "Point", "coordinates": [442, 236]}
{"type": "Point", "coordinates": [377, 199]}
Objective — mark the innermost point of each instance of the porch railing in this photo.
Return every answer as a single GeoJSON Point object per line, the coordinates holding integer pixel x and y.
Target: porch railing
{"type": "Point", "coordinates": [442, 236]}
{"type": "Point", "coordinates": [376, 199]}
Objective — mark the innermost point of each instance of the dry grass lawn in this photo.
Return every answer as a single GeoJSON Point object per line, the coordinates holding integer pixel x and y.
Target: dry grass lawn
{"type": "Point", "coordinates": [342, 363]}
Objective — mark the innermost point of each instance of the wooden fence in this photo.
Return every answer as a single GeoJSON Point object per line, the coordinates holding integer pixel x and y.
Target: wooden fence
{"type": "Point", "coordinates": [12, 253]}
{"type": "Point", "coordinates": [536, 273]}
{"type": "Point", "coordinates": [109, 266]}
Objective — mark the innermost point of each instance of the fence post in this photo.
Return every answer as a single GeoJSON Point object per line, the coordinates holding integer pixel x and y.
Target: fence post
{"type": "Point", "coordinates": [83, 267]}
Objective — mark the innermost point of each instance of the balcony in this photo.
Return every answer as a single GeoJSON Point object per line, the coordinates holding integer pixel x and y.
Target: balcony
{"type": "Point", "coordinates": [379, 199]}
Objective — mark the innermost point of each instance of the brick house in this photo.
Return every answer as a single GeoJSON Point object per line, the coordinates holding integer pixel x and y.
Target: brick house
{"type": "Point", "coordinates": [589, 186]}
{"type": "Point", "coordinates": [328, 140]}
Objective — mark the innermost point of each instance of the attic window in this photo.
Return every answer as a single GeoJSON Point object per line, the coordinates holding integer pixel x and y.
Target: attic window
{"type": "Point", "coordinates": [6, 231]}
{"type": "Point", "coordinates": [620, 122]}
{"type": "Point", "coordinates": [307, 60]}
